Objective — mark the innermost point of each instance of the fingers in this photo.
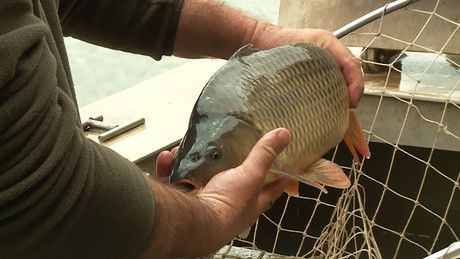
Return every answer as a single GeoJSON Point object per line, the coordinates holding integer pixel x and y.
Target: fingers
{"type": "Point", "coordinates": [354, 77]}
{"type": "Point", "coordinates": [238, 195]}
{"type": "Point", "coordinates": [173, 151]}
{"type": "Point", "coordinates": [164, 160]}
{"type": "Point", "coordinates": [264, 153]}
{"type": "Point", "coordinates": [348, 63]}
{"type": "Point", "coordinates": [262, 157]}
{"type": "Point", "coordinates": [355, 91]}
{"type": "Point", "coordinates": [163, 165]}
{"type": "Point", "coordinates": [351, 69]}
{"type": "Point", "coordinates": [274, 36]}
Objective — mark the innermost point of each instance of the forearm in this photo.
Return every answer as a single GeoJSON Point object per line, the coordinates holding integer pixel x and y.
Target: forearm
{"type": "Point", "coordinates": [210, 28]}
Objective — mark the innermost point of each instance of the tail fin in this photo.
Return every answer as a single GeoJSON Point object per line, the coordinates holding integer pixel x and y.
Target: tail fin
{"type": "Point", "coordinates": [354, 138]}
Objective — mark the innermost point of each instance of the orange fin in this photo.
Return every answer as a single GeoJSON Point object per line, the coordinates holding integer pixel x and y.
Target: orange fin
{"type": "Point", "coordinates": [328, 173]}
{"type": "Point", "coordinates": [293, 182]}
{"type": "Point", "coordinates": [292, 188]}
{"type": "Point", "coordinates": [354, 138]}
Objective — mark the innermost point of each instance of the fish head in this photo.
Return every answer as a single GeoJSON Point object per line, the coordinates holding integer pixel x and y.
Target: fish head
{"type": "Point", "coordinates": [210, 146]}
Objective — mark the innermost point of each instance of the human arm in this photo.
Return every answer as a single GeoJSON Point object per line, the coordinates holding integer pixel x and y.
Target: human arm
{"type": "Point", "coordinates": [194, 226]}
{"type": "Point", "coordinates": [146, 27]}
{"type": "Point", "coordinates": [210, 28]}
{"type": "Point", "coordinates": [61, 194]}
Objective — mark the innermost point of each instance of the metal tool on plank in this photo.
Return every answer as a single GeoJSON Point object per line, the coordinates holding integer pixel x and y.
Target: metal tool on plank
{"type": "Point", "coordinates": [95, 123]}
{"type": "Point", "coordinates": [120, 129]}
{"type": "Point", "coordinates": [86, 125]}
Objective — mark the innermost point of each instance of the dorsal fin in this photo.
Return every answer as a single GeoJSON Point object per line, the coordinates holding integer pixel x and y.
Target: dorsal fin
{"type": "Point", "coordinates": [246, 50]}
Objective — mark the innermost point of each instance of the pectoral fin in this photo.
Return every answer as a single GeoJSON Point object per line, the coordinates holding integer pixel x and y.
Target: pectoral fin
{"type": "Point", "coordinates": [354, 138]}
{"type": "Point", "coordinates": [327, 173]}
{"type": "Point", "coordinates": [292, 187]}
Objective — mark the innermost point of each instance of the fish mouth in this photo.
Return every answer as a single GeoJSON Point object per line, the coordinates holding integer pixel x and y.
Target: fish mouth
{"type": "Point", "coordinates": [188, 186]}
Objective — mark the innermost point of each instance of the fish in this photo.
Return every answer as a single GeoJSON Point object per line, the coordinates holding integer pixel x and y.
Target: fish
{"type": "Point", "coordinates": [299, 87]}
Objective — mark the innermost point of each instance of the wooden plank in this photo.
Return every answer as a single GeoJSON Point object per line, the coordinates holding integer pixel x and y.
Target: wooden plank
{"type": "Point", "coordinates": [165, 102]}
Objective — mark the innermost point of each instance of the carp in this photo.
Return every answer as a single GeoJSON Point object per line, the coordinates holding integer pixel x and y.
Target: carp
{"type": "Point", "coordinates": [299, 87]}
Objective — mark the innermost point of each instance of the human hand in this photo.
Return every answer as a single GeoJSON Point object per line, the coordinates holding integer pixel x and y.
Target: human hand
{"type": "Point", "coordinates": [268, 36]}
{"type": "Point", "coordinates": [195, 225]}
{"type": "Point", "coordinates": [239, 195]}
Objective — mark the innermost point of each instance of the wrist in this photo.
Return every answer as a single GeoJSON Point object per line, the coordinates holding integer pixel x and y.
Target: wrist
{"type": "Point", "coordinates": [184, 226]}
{"type": "Point", "coordinates": [267, 36]}
{"type": "Point", "coordinates": [257, 36]}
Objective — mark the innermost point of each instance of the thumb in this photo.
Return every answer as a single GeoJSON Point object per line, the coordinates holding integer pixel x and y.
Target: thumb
{"type": "Point", "coordinates": [264, 153]}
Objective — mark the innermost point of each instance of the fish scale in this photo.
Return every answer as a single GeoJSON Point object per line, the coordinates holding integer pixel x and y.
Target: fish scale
{"type": "Point", "coordinates": [318, 86]}
{"type": "Point", "coordinates": [299, 87]}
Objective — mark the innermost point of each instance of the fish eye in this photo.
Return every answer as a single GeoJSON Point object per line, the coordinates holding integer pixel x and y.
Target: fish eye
{"type": "Point", "coordinates": [215, 156]}
{"type": "Point", "coordinates": [214, 153]}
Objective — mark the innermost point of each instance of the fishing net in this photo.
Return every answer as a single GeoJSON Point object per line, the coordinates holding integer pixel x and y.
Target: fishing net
{"type": "Point", "coordinates": [404, 201]}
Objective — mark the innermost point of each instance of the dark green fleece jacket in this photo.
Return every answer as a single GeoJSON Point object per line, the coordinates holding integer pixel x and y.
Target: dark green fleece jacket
{"type": "Point", "coordinates": [62, 195]}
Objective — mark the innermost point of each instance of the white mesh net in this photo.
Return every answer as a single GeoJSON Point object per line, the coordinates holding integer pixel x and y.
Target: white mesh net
{"type": "Point", "coordinates": [405, 201]}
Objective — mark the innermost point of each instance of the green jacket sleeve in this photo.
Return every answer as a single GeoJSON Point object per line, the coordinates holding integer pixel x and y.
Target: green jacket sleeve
{"type": "Point", "coordinates": [61, 195]}
{"type": "Point", "coordinates": [145, 27]}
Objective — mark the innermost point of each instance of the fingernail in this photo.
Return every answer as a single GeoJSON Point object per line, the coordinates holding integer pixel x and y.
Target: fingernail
{"type": "Point", "coordinates": [283, 136]}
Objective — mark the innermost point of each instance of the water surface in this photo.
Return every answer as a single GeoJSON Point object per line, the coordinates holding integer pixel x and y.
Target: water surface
{"type": "Point", "coordinates": [98, 72]}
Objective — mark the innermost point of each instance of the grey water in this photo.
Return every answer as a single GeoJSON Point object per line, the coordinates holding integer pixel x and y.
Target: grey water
{"type": "Point", "coordinates": [99, 72]}
{"type": "Point", "coordinates": [435, 73]}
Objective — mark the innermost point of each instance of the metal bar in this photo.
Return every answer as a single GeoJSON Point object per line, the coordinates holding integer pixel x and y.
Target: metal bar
{"type": "Point", "coordinates": [120, 129]}
{"type": "Point", "coordinates": [372, 16]}
{"type": "Point", "coordinates": [451, 252]}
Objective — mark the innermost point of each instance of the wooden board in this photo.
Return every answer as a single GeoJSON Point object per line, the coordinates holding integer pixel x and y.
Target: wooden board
{"type": "Point", "coordinates": [165, 102]}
